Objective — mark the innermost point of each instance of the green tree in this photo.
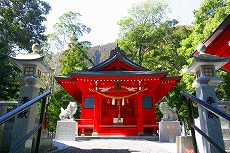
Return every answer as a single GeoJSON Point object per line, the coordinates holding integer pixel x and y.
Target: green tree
{"type": "Point", "coordinates": [223, 93]}
{"type": "Point", "coordinates": [164, 53]}
{"type": "Point", "coordinates": [207, 18]}
{"type": "Point", "coordinates": [139, 31]}
{"type": "Point", "coordinates": [69, 25]}
{"type": "Point", "coordinates": [69, 52]}
{"type": "Point", "coordinates": [20, 27]}
{"type": "Point", "coordinates": [75, 58]}
{"type": "Point", "coordinates": [21, 22]}
{"type": "Point", "coordinates": [67, 33]}
{"type": "Point", "coordinates": [153, 41]}
{"type": "Point", "coordinates": [60, 98]}
{"type": "Point", "coordinates": [8, 87]}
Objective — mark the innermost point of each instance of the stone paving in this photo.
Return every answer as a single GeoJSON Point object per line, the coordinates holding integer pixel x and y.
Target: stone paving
{"type": "Point", "coordinates": [114, 146]}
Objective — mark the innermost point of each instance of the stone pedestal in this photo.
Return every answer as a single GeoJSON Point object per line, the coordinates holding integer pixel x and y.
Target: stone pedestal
{"type": "Point", "coordinates": [65, 130]}
{"type": "Point", "coordinates": [141, 134]}
{"type": "Point", "coordinates": [45, 142]}
{"type": "Point", "coordinates": [6, 128]}
{"type": "Point", "coordinates": [183, 142]}
{"type": "Point", "coordinates": [209, 122]}
{"type": "Point", "coordinates": [3, 110]}
{"type": "Point", "coordinates": [25, 120]}
{"type": "Point", "coordinates": [199, 138]}
{"type": "Point", "coordinates": [94, 134]}
{"type": "Point", "coordinates": [168, 130]}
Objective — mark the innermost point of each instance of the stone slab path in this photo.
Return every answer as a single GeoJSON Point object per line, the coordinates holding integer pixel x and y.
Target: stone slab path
{"type": "Point", "coordinates": [114, 146]}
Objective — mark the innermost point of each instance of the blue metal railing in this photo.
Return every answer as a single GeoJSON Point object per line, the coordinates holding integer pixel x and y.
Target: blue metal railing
{"type": "Point", "coordinates": [209, 107]}
{"type": "Point", "coordinates": [38, 128]}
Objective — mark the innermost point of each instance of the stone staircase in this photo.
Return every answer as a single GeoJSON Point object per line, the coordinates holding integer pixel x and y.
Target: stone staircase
{"type": "Point", "coordinates": [149, 138]}
{"type": "Point", "coordinates": [225, 125]}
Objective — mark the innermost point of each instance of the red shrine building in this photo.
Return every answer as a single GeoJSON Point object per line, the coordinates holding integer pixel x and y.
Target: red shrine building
{"type": "Point", "coordinates": [118, 96]}
{"type": "Point", "coordinates": [218, 42]}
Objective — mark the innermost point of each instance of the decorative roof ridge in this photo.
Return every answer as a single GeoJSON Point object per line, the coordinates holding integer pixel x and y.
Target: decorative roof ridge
{"type": "Point", "coordinates": [119, 54]}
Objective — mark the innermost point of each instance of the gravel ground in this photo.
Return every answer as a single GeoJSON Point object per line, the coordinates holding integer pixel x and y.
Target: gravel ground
{"type": "Point", "coordinates": [113, 146]}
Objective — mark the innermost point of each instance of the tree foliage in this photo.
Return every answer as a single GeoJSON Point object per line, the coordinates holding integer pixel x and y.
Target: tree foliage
{"type": "Point", "coordinates": [73, 57]}
{"type": "Point", "coordinates": [21, 22]}
{"type": "Point", "coordinates": [207, 18]}
{"type": "Point", "coordinates": [20, 27]}
{"type": "Point", "coordinates": [69, 26]}
{"type": "Point", "coordinates": [8, 87]}
{"type": "Point", "coordinates": [60, 98]}
{"type": "Point", "coordinates": [164, 45]}
{"type": "Point", "coordinates": [139, 31]}
{"type": "Point", "coordinates": [155, 42]}
{"type": "Point", "coordinates": [151, 39]}
{"type": "Point", "coordinates": [64, 43]}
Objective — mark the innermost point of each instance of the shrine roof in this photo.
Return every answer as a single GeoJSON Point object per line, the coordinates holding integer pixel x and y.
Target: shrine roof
{"type": "Point", "coordinates": [218, 42]}
{"type": "Point", "coordinates": [118, 68]}
{"type": "Point", "coordinates": [118, 73]}
{"type": "Point", "coordinates": [117, 54]}
{"type": "Point", "coordinates": [160, 84]}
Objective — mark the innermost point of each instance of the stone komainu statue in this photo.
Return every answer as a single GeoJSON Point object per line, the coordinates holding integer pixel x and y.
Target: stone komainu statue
{"type": "Point", "coordinates": [69, 111]}
{"type": "Point", "coordinates": [168, 113]}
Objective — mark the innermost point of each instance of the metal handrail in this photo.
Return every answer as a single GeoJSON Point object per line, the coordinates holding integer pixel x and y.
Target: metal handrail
{"type": "Point", "coordinates": [212, 109]}
{"type": "Point", "coordinates": [207, 106]}
{"type": "Point", "coordinates": [38, 128]}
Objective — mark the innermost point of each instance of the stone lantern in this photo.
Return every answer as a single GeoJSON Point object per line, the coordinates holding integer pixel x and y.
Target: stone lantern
{"type": "Point", "coordinates": [31, 64]}
{"type": "Point", "coordinates": [206, 82]}
{"type": "Point", "coordinates": [205, 65]}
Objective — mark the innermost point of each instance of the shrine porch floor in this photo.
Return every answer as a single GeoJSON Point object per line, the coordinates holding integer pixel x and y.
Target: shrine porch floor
{"type": "Point", "coordinates": [145, 144]}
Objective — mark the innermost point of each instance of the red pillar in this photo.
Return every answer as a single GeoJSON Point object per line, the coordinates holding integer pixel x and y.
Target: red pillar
{"type": "Point", "coordinates": [140, 115]}
{"type": "Point", "coordinates": [82, 131]}
{"type": "Point", "coordinates": [155, 127]}
{"type": "Point", "coordinates": [96, 116]}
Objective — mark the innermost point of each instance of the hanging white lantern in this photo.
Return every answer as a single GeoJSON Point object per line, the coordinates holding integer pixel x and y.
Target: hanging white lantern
{"type": "Point", "coordinates": [123, 101]}
{"type": "Point", "coordinates": [113, 101]}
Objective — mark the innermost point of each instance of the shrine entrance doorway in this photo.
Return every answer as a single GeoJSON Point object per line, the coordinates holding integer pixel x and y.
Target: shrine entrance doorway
{"type": "Point", "coordinates": [118, 112]}
{"type": "Point", "coordinates": [118, 118]}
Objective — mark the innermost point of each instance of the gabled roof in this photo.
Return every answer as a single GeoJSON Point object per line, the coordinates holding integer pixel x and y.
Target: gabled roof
{"type": "Point", "coordinates": [118, 68]}
{"type": "Point", "coordinates": [219, 42]}
{"type": "Point", "coordinates": [120, 55]}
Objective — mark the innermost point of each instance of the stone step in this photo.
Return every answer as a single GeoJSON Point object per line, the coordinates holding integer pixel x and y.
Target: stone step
{"type": "Point", "coordinates": [226, 133]}
{"type": "Point", "coordinates": [149, 138]}
{"type": "Point", "coordinates": [224, 123]}
{"type": "Point", "coordinates": [227, 144]}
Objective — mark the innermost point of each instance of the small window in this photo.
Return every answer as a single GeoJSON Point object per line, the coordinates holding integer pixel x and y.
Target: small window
{"type": "Point", "coordinates": [198, 73]}
{"type": "Point", "coordinates": [89, 103]}
{"type": "Point", "coordinates": [39, 73]}
{"type": "Point", "coordinates": [208, 72]}
{"type": "Point", "coordinates": [29, 71]}
{"type": "Point", "coordinates": [147, 103]}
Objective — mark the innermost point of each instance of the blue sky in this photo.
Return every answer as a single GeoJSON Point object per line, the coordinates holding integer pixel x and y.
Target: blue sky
{"type": "Point", "coordinates": [102, 15]}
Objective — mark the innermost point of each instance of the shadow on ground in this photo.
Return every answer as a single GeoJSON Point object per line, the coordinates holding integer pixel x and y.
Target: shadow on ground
{"type": "Point", "coordinates": [78, 150]}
